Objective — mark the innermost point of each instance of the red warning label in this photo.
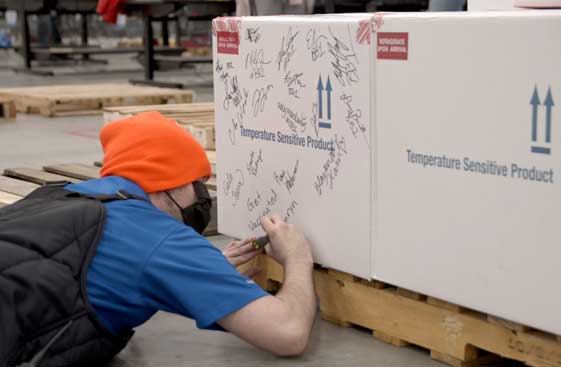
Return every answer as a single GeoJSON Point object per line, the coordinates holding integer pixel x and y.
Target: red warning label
{"type": "Point", "coordinates": [393, 45]}
{"type": "Point", "coordinates": [228, 42]}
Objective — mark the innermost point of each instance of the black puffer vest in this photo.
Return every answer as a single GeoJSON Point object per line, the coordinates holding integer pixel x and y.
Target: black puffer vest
{"type": "Point", "coordinates": [47, 241]}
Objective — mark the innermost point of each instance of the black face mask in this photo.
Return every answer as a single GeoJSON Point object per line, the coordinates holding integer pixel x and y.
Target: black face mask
{"type": "Point", "coordinates": [198, 214]}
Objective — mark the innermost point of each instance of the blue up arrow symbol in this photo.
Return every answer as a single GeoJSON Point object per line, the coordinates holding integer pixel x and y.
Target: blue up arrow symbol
{"type": "Point", "coordinates": [326, 124]}
{"type": "Point", "coordinates": [548, 103]}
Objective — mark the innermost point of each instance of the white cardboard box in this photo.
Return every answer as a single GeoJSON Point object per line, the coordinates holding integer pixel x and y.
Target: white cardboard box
{"type": "Point", "coordinates": [476, 88]}
{"type": "Point", "coordinates": [293, 106]}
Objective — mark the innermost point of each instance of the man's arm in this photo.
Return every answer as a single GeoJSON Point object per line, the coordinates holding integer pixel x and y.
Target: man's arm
{"type": "Point", "coordinates": [281, 324]}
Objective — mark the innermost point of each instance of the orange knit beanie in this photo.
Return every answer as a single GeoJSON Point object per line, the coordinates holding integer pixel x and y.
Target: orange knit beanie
{"type": "Point", "coordinates": [152, 151]}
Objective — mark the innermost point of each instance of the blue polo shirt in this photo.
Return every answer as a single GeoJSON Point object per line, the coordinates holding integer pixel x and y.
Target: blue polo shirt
{"type": "Point", "coordinates": [148, 261]}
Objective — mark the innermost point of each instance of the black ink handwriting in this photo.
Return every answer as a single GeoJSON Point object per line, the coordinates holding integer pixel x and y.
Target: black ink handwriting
{"type": "Point", "coordinates": [315, 44]}
{"type": "Point", "coordinates": [287, 178]}
{"type": "Point", "coordinates": [331, 167]}
{"type": "Point", "coordinates": [233, 184]}
{"type": "Point", "coordinates": [259, 98]}
{"type": "Point", "coordinates": [237, 121]}
{"type": "Point", "coordinates": [353, 117]}
{"type": "Point", "coordinates": [294, 120]}
{"type": "Point", "coordinates": [270, 201]}
{"type": "Point", "coordinates": [255, 159]}
{"type": "Point", "coordinates": [290, 210]}
{"type": "Point", "coordinates": [253, 202]}
{"type": "Point", "coordinates": [287, 50]}
{"type": "Point", "coordinates": [294, 83]}
{"type": "Point", "coordinates": [232, 92]}
{"type": "Point", "coordinates": [344, 61]}
{"type": "Point", "coordinates": [252, 35]}
{"type": "Point", "coordinates": [219, 66]}
{"type": "Point", "coordinates": [315, 120]}
{"type": "Point", "coordinates": [255, 62]}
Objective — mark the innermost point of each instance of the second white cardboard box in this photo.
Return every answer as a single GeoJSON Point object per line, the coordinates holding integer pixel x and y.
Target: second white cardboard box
{"type": "Point", "coordinates": [468, 163]}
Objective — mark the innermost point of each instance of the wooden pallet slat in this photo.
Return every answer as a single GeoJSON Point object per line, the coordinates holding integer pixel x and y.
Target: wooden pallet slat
{"type": "Point", "coordinates": [508, 324]}
{"type": "Point", "coordinates": [37, 176]}
{"type": "Point", "coordinates": [411, 294]}
{"type": "Point", "coordinates": [75, 170]}
{"type": "Point", "coordinates": [179, 108]}
{"type": "Point", "coordinates": [396, 342]}
{"type": "Point", "coordinates": [7, 109]}
{"type": "Point", "coordinates": [444, 304]}
{"type": "Point", "coordinates": [7, 198]}
{"type": "Point", "coordinates": [205, 135]}
{"type": "Point", "coordinates": [16, 187]}
{"type": "Point", "coordinates": [66, 100]}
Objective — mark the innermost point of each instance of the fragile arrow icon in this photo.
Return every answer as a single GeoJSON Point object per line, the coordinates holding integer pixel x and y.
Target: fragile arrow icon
{"type": "Point", "coordinates": [548, 103]}
{"type": "Point", "coordinates": [535, 102]}
{"type": "Point", "coordinates": [328, 89]}
{"type": "Point", "coordinates": [320, 97]}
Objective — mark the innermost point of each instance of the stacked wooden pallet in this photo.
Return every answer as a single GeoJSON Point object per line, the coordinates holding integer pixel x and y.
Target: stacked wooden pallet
{"type": "Point", "coordinates": [7, 109]}
{"type": "Point", "coordinates": [18, 182]}
{"type": "Point", "coordinates": [197, 118]}
{"type": "Point", "coordinates": [73, 100]}
{"type": "Point", "coordinates": [453, 335]}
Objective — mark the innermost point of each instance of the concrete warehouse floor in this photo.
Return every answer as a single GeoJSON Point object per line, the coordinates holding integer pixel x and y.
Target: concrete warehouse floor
{"type": "Point", "coordinates": [171, 340]}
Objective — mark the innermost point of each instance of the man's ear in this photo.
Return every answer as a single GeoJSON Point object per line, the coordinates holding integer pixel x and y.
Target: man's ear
{"type": "Point", "coordinates": [161, 201]}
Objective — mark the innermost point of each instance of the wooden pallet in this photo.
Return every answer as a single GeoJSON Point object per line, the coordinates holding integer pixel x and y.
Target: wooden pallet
{"type": "Point", "coordinates": [74, 100]}
{"type": "Point", "coordinates": [193, 111]}
{"type": "Point", "coordinates": [7, 109]}
{"type": "Point", "coordinates": [453, 335]}
{"type": "Point", "coordinates": [197, 118]}
{"type": "Point", "coordinates": [20, 181]}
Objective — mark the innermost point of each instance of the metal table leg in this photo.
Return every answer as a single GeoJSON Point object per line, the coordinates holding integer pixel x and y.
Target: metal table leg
{"type": "Point", "coordinates": [149, 64]}
{"type": "Point", "coordinates": [84, 33]}
{"type": "Point", "coordinates": [165, 32]}
{"type": "Point", "coordinates": [25, 39]}
{"type": "Point", "coordinates": [177, 32]}
{"type": "Point", "coordinates": [148, 48]}
{"type": "Point", "coordinates": [25, 46]}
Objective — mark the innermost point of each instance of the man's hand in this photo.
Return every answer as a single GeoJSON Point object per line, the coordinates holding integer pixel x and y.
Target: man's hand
{"type": "Point", "coordinates": [282, 323]}
{"type": "Point", "coordinates": [240, 253]}
{"type": "Point", "coordinates": [287, 243]}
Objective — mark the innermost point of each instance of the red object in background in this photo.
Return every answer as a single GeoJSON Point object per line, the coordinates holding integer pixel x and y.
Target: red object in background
{"type": "Point", "coordinates": [110, 9]}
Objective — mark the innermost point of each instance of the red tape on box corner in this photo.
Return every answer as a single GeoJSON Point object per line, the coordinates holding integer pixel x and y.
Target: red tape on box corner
{"type": "Point", "coordinates": [393, 46]}
{"type": "Point", "coordinates": [228, 42]}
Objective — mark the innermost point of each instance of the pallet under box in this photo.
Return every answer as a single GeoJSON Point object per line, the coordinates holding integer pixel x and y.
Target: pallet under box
{"type": "Point", "coordinates": [453, 335]}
